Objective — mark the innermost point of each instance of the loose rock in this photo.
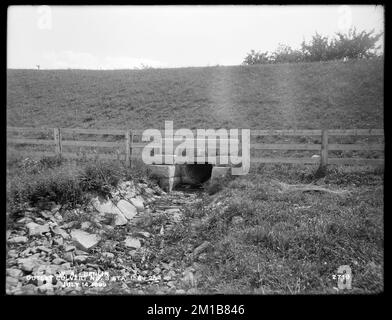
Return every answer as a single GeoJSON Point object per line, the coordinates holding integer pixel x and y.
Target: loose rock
{"type": "Point", "coordinates": [129, 210]}
{"type": "Point", "coordinates": [132, 243]}
{"type": "Point", "coordinates": [20, 239]}
{"type": "Point", "coordinates": [138, 203]}
{"type": "Point", "coordinates": [81, 259]}
{"type": "Point", "coordinates": [14, 273]}
{"type": "Point", "coordinates": [108, 255]}
{"type": "Point", "coordinates": [28, 264]}
{"type": "Point", "coordinates": [84, 240]}
{"type": "Point", "coordinates": [37, 229]}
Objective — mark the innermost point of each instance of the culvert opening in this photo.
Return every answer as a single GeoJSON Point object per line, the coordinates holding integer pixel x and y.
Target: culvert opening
{"type": "Point", "coordinates": [196, 174]}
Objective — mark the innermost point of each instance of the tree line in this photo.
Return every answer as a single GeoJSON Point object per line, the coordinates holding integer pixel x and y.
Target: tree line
{"type": "Point", "coordinates": [350, 45]}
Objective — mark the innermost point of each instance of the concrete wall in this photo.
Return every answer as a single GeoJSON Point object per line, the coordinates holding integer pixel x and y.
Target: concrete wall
{"type": "Point", "coordinates": [169, 176]}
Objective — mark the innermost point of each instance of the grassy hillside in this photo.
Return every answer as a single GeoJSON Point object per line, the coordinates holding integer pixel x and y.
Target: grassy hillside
{"type": "Point", "coordinates": [306, 96]}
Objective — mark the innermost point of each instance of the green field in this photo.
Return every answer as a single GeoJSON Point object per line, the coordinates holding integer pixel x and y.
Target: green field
{"type": "Point", "coordinates": [286, 96]}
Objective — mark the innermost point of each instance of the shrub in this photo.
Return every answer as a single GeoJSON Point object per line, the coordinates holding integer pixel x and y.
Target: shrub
{"type": "Point", "coordinates": [59, 186]}
{"type": "Point", "coordinates": [100, 177]}
{"type": "Point", "coordinates": [353, 45]}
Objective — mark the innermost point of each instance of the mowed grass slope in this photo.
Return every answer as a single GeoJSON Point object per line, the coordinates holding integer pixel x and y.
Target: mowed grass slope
{"type": "Point", "coordinates": [285, 96]}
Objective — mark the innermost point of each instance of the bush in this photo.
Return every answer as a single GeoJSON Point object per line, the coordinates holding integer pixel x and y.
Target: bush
{"type": "Point", "coordinates": [53, 179]}
{"type": "Point", "coordinates": [59, 186]}
{"type": "Point", "coordinates": [100, 177]}
{"type": "Point", "coordinates": [353, 45]}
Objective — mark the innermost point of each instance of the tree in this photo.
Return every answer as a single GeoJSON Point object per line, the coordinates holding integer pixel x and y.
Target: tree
{"type": "Point", "coordinates": [356, 45]}
{"type": "Point", "coordinates": [352, 45]}
{"type": "Point", "coordinates": [285, 53]}
{"type": "Point", "coordinates": [319, 49]}
{"type": "Point", "coordinates": [254, 57]}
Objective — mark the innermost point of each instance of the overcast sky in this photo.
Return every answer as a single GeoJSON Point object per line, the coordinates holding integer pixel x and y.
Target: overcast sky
{"type": "Point", "coordinates": [123, 37]}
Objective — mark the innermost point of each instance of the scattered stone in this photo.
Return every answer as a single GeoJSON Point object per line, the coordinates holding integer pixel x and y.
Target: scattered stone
{"type": "Point", "coordinates": [44, 249]}
{"type": "Point", "coordinates": [84, 240]}
{"type": "Point", "coordinates": [167, 278]}
{"type": "Point", "coordinates": [146, 220]}
{"type": "Point", "coordinates": [128, 210]}
{"type": "Point", "coordinates": [180, 291]}
{"type": "Point", "coordinates": [165, 265]}
{"type": "Point", "coordinates": [143, 234]}
{"type": "Point", "coordinates": [193, 291]}
{"type": "Point", "coordinates": [157, 270]}
{"type": "Point", "coordinates": [58, 241]}
{"type": "Point", "coordinates": [58, 216]}
{"type": "Point", "coordinates": [107, 255]}
{"type": "Point", "coordinates": [46, 214]}
{"type": "Point", "coordinates": [171, 273]}
{"type": "Point", "coordinates": [81, 259]}
{"type": "Point", "coordinates": [55, 208]}
{"type": "Point", "coordinates": [109, 245]}
{"type": "Point", "coordinates": [107, 207]}
{"type": "Point", "coordinates": [10, 281]}
{"type": "Point", "coordinates": [58, 255]}
{"type": "Point", "coordinates": [120, 220]}
{"type": "Point", "coordinates": [138, 203]}
{"type": "Point", "coordinates": [85, 225]}
{"type": "Point", "coordinates": [28, 289]}
{"type": "Point", "coordinates": [24, 220]}
{"type": "Point", "coordinates": [189, 278]}
{"type": "Point", "coordinates": [45, 288]}
{"type": "Point", "coordinates": [70, 225]}
{"type": "Point", "coordinates": [28, 264]}
{"type": "Point", "coordinates": [14, 273]}
{"type": "Point", "coordinates": [173, 210]}
{"type": "Point", "coordinates": [12, 253]}
{"type": "Point", "coordinates": [58, 261]}
{"type": "Point", "coordinates": [68, 256]}
{"type": "Point", "coordinates": [39, 220]}
{"type": "Point", "coordinates": [66, 266]}
{"type": "Point", "coordinates": [81, 252]}
{"type": "Point", "coordinates": [20, 239]}
{"type": "Point", "coordinates": [37, 229]}
{"type": "Point", "coordinates": [132, 243]}
{"type": "Point", "coordinates": [27, 252]}
{"type": "Point", "coordinates": [69, 248]}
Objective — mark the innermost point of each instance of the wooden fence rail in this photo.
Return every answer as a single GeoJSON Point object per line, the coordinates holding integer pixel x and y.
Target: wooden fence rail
{"type": "Point", "coordinates": [128, 144]}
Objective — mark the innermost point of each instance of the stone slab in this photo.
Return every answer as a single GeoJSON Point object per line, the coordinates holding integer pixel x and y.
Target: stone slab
{"type": "Point", "coordinates": [220, 172]}
{"type": "Point", "coordinates": [165, 171]}
{"type": "Point", "coordinates": [128, 209]}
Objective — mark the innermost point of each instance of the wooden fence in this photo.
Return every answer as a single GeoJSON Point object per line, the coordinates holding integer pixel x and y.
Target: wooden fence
{"type": "Point", "coordinates": [130, 145]}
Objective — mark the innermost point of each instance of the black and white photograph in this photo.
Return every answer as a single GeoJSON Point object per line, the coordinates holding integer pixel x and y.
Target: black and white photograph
{"type": "Point", "coordinates": [194, 150]}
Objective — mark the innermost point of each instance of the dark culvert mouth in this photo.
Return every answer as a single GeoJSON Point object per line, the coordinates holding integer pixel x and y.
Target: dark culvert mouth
{"type": "Point", "coordinates": [196, 174]}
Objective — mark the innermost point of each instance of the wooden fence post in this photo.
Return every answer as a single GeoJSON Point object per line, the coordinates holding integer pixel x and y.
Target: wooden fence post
{"type": "Point", "coordinates": [128, 148]}
{"type": "Point", "coordinates": [324, 149]}
{"type": "Point", "coordinates": [57, 141]}
{"type": "Point", "coordinates": [131, 150]}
